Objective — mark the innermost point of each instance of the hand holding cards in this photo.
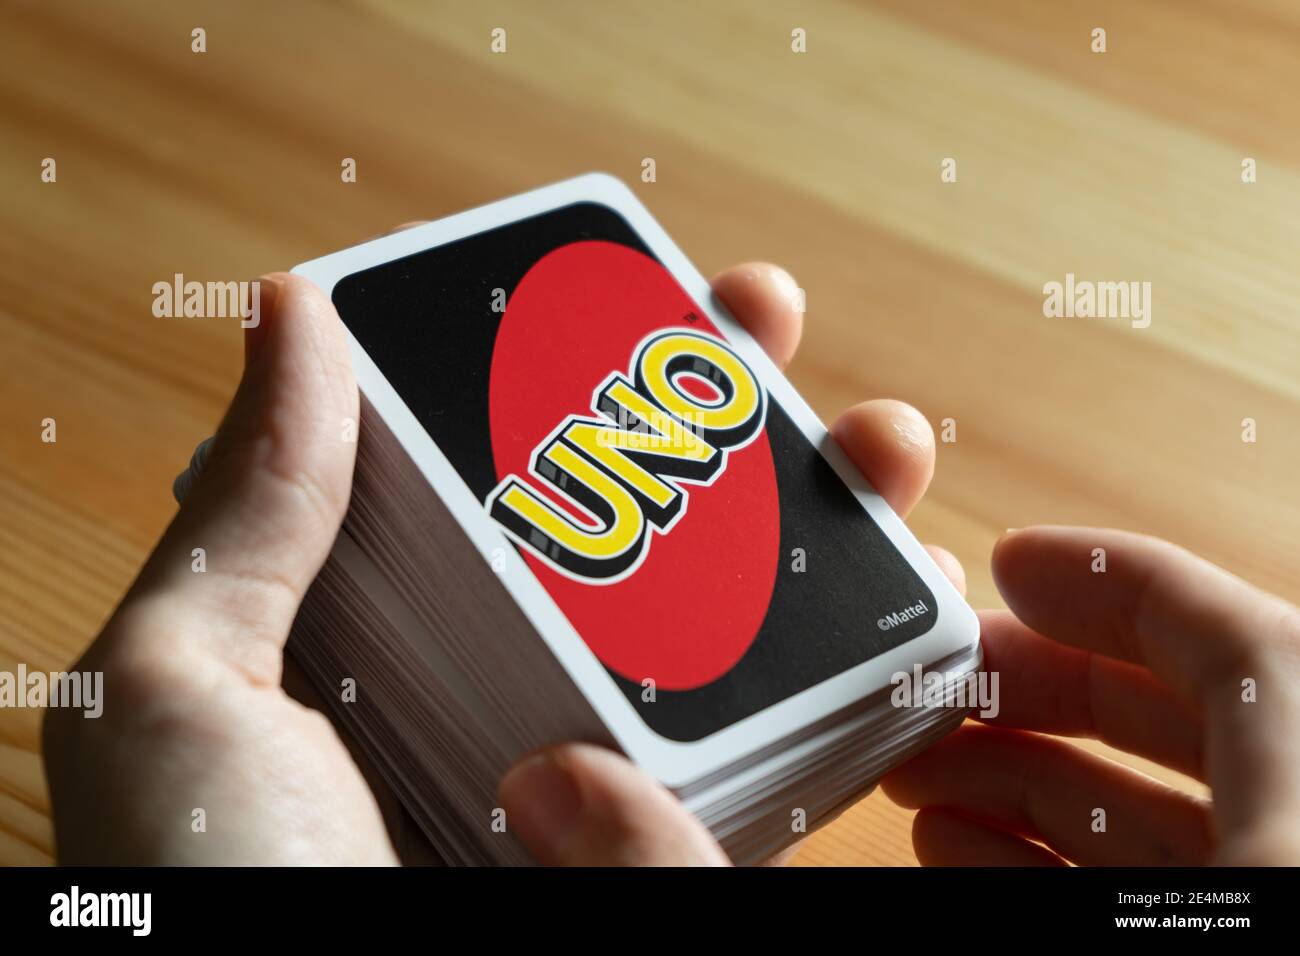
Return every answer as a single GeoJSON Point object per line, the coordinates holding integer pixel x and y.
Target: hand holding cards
{"type": "Point", "coordinates": [587, 506]}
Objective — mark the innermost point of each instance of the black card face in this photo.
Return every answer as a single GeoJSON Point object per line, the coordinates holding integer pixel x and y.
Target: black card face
{"type": "Point", "coordinates": [702, 548]}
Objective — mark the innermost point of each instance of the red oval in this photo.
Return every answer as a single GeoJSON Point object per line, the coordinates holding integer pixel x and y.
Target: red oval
{"type": "Point", "coordinates": [693, 607]}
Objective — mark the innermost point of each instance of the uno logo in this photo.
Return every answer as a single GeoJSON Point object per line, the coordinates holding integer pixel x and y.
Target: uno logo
{"type": "Point", "coordinates": [600, 386]}
{"type": "Point", "coordinates": [689, 401]}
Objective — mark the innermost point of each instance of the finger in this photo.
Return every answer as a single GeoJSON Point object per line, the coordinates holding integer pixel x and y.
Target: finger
{"type": "Point", "coordinates": [1044, 789]}
{"type": "Point", "coordinates": [783, 857]}
{"type": "Point", "coordinates": [893, 445]}
{"type": "Point", "coordinates": [1051, 688]}
{"type": "Point", "coordinates": [252, 343]}
{"type": "Point", "coordinates": [1227, 647]}
{"type": "Point", "coordinates": [767, 301]}
{"type": "Point", "coordinates": [582, 805]}
{"type": "Point", "coordinates": [943, 838]}
{"type": "Point", "coordinates": [269, 501]}
{"type": "Point", "coordinates": [1135, 598]}
{"type": "Point", "coordinates": [950, 566]}
{"type": "Point", "coordinates": [399, 228]}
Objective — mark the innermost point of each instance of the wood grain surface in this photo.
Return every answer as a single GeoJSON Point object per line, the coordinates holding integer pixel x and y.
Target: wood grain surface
{"type": "Point", "coordinates": [1117, 166]}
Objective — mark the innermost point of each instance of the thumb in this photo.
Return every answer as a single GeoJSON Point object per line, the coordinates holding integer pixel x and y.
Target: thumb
{"type": "Point", "coordinates": [271, 496]}
{"type": "Point", "coordinates": [582, 805]}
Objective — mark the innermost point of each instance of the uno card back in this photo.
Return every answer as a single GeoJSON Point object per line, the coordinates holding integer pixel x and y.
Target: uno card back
{"type": "Point", "coordinates": [755, 574]}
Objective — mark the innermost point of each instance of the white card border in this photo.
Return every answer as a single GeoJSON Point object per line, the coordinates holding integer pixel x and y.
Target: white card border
{"type": "Point", "coordinates": [673, 763]}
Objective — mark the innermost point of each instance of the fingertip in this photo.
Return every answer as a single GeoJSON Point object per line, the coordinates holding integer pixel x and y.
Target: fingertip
{"type": "Point", "coordinates": [542, 803]}
{"type": "Point", "coordinates": [912, 784]}
{"type": "Point", "coordinates": [932, 834]}
{"type": "Point", "coordinates": [887, 418]}
{"type": "Point", "coordinates": [896, 786]}
{"type": "Point", "coordinates": [1014, 552]}
{"type": "Point", "coordinates": [275, 296]}
{"type": "Point", "coordinates": [892, 444]}
{"type": "Point", "coordinates": [901, 784]}
{"type": "Point", "coordinates": [295, 291]}
{"type": "Point", "coordinates": [950, 566]}
{"type": "Point", "coordinates": [303, 323]}
{"type": "Point", "coordinates": [400, 227]}
{"type": "Point", "coordinates": [580, 804]}
{"type": "Point", "coordinates": [767, 301]}
{"type": "Point", "coordinates": [1028, 560]}
{"type": "Point", "coordinates": [263, 294]}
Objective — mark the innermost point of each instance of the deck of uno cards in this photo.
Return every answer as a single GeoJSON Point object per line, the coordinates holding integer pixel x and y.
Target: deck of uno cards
{"type": "Point", "coordinates": [588, 504]}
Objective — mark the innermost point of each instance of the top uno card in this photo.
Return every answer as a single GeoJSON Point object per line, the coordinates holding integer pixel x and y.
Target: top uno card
{"type": "Point", "coordinates": [572, 388]}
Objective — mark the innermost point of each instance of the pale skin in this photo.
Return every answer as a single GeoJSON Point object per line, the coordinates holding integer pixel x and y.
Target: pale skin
{"type": "Point", "coordinates": [1148, 656]}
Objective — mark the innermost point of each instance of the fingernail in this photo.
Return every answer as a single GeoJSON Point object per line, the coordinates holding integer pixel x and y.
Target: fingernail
{"type": "Point", "coordinates": [545, 807]}
{"type": "Point", "coordinates": [262, 294]}
{"type": "Point", "coordinates": [185, 480]}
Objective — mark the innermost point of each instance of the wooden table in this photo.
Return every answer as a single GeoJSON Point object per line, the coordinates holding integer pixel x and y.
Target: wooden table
{"type": "Point", "coordinates": [1123, 165]}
